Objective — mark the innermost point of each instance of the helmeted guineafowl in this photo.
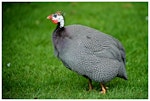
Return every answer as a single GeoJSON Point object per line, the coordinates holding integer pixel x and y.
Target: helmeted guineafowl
{"type": "Point", "coordinates": [93, 54]}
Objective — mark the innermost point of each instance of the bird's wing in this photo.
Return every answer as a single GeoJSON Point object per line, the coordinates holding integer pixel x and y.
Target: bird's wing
{"type": "Point", "coordinates": [104, 46]}
{"type": "Point", "coordinates": [106, 52]}
{"type": "Point", "coordinates": [97, 43]}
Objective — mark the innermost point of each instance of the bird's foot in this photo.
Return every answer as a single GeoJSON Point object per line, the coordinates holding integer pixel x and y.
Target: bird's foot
{"type": "Point", "coordinates": [90, 89]}
{"type": "Point", "coordinates": [90, 85]}
{"type": "Point", "coordinates": [103, 92]}
{"type": "Point", "coordinates": [103, 89]}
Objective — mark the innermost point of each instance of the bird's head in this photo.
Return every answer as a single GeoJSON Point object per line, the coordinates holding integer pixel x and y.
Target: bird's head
{"type": "Point", "coordinates": [57, 18]}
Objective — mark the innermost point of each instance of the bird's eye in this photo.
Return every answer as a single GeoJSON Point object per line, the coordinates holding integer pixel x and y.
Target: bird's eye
{"type": "Point", "coordinates": [55, 15]}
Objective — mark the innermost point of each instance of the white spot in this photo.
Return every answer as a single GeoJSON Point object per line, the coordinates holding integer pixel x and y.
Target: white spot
{"type": "Point", "coordinates": [8, 64]}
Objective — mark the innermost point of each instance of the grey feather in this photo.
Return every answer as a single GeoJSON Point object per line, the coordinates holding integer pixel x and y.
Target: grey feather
{"type": "Point", "coordinates": [89, 52]}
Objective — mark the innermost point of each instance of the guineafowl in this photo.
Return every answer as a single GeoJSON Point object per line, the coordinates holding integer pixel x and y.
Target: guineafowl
{"type": "Point", "coordinates": [97, 56]}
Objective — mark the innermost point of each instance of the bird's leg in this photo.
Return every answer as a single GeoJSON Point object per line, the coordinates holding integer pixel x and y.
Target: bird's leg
{"type": "Point", "coordinates": [90, 84]}
{"type": "Point", "coordinates": [103, 88]}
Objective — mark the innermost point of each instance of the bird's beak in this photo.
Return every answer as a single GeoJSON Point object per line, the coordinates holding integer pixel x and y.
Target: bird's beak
{"type": "Point", "coordinates": [49, 17]}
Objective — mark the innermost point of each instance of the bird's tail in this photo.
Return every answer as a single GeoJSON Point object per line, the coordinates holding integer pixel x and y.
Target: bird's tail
{"type": "Point", "coordinates": [122, 72]}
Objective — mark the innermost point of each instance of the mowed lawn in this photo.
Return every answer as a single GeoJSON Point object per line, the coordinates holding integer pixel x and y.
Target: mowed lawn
{"type": "Point", "coordinates": [30, 69]}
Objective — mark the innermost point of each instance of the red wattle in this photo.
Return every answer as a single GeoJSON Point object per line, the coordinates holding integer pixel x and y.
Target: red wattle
{"type": "Point", "coordinates": [55, 21]}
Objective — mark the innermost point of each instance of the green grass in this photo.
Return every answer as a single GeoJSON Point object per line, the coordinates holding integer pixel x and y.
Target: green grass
{"type": "Point", "coordinates": [35, 72]}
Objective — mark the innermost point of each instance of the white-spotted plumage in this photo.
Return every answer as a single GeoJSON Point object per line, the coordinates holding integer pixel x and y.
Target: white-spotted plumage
{"type": "Point", "coordinates": [90, 53]}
